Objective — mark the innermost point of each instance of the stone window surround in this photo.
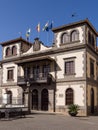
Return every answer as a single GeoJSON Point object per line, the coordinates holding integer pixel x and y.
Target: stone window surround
{"type": "Point", "coordinates": [8, 69]}
{"type": "Point", "coordinates": [10, 47]}
{"type": "Point", "coordinates": [72, 97]}
{"type": "Point", "coordinates": [67, 60]}
{"type": "Point", "coordinates": [69, 36]}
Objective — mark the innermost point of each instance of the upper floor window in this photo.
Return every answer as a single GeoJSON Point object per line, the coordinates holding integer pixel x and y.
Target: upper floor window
{"type": "Point", "coordinates": [14, 50]}
{"type": "Point", "coordinates": [64, 38]}
{"type": "Point", "coordinates": [46, 70]}
{"type": "Point", "coordinates": [74, 36]}
{"type": "Point", "coordinates": [36, 71]}
{"type": "Point", "coordinates": [69, 96]}
{"type": "Point", "coordinates": [92, 68]}
{"type": "Point", "coordinates": [69, 67]}
{"type": "Point", "coordinates": [91, 39]}
{"type": "Point", "coordinates": [27, 72]}
{"type": "Point", "coordinates": [10, 74]}
{"type": "Point", "coordinates": [8, 51]}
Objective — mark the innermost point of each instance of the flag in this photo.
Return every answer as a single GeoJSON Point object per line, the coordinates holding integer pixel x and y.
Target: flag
{"type": "Point", "coordinates": [38, 27]}
{"type": "Point", "coordinates": [49, 26]}
{"type": "Point", "coordinates": [28, 32]}
{"type": "Point", "coordinates": [45, 27]}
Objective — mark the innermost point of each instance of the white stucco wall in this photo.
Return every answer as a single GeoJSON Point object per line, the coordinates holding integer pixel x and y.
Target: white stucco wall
{"type": "Point", "coordinates": [42, 48]}
{"type": "Point", "coordinates": [78, 94]}
{"type": "Point", "coordinates": [79, 63]}
{"type": "Point", "coordinates": [17, 46]}
{"type": "Point", "coordinates": [58, 38]}
{"type": "Point", "coordinates": [6, 66]}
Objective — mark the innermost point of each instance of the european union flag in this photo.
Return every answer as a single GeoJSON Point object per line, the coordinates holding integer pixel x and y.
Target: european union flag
{"type": "Point", "coordinates": [49, 27]}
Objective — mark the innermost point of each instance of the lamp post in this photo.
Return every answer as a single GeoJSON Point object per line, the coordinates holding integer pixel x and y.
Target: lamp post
{"type": "Point", "coordinates": [29, 103]}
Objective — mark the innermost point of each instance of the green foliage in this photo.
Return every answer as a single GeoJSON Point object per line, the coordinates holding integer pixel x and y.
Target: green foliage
{"type": "Point", "coordinates": [73, 109]}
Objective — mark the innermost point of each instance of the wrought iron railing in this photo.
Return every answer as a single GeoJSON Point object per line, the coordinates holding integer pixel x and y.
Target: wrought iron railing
{"type": "Point", "coordinates": [41, 77]}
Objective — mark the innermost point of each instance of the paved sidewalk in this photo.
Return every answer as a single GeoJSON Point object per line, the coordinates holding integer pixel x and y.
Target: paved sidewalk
{"type": "Point", "coordinates": [50, 121]}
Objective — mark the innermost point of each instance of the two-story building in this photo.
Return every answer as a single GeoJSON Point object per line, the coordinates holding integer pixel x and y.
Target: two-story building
{"type": "Point", "coordinates": [53, 77]}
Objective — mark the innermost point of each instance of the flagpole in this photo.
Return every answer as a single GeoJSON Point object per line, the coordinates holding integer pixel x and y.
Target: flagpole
{"type": "Point", "coordinates": [47, 37]}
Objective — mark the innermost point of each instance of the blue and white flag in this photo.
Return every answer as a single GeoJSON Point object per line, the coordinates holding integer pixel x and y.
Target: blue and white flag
{"type": "Point", "coordinates": [48, 26]}
{"type": "Point", "coordinates": [45, 27]}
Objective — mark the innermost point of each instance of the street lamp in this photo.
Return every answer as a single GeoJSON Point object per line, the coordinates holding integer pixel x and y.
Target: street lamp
{"type": "Point", "coordinates": [29, 103]}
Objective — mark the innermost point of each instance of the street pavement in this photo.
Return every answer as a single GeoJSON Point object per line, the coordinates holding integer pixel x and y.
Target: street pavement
{"type": "Point", "coordinates": [49, 121]}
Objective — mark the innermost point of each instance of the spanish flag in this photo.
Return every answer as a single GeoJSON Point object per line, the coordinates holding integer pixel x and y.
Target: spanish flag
{"type": "Point", "coordinates": [38, 27]}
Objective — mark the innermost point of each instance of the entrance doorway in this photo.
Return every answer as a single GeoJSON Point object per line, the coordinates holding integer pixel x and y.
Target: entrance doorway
{"type": "Point", "coordinates": [35, 99]}
{"type": "Point", "coordinates": [44, 100]}
{"type": "Point", "coordinates": [92, 100]}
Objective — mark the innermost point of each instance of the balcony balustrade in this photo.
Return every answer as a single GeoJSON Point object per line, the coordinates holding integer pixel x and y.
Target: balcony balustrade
{"type": "Point", "coordinates": [33, 78]}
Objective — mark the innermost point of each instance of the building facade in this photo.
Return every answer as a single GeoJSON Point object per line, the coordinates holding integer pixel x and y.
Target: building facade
{"type": "Point", "coordinates": [51, 78]}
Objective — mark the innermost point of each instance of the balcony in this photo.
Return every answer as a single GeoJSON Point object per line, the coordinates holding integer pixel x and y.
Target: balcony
{"type": "Point", "coordinates": [39, 78]}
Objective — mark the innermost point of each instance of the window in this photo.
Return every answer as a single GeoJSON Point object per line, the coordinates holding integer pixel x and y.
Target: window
{"type": "Point", "coordinates": [64, 38]}
{"type": "Point", "coordinates": [27, 72]}
{"type": "Point", "coordinates": [14, 50]}
{"type": "Point", "coordinates": [69, 96]}
{"type": "Point", "coordinates": [9, 95]}
{"type": "Point", "coordinates": [69, 67]}
{"type": "Point", "coordinates": [10, 75]}
{"type": "Point", "coordinates": [92, 68]}
{"type": "Point", "coordinates": [8, 51]}
{"type": "Point", "coordinates": [36, 71]}
{"type": "Point", "coordinates": [74, 35]}
{"type": "Point", "coordinates": [91, 39]}
{"type": "Point", "coordinates": [46, 70]}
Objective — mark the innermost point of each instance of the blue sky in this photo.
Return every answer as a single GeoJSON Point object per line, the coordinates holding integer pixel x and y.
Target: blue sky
{"type": "Point", "coordinates": [19, 15]}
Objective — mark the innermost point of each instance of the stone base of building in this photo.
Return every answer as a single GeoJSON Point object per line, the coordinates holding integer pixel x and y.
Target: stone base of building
{"type": "Point", "coordinates": [64, 110]}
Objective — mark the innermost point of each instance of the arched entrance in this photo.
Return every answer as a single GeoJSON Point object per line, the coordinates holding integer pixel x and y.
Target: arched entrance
{"type": "Point", "coordinates": [44, 100]}
{"type": "Point", "coordinates": [35, 99]}
{"type": "Point", "coordinates": [92, 100]}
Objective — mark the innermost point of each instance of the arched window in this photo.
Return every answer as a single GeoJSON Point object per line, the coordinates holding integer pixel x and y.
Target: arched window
{"type": "Point", "coordinates": [14, 50]}
{"type": "Point", "coordinates": [69, 96]}
{"type": "Point", "coordinates": [74, 35]}
{"type": "Point", "coordinates": [8, 51]}
{"type": "Point", "coordinates": [64, 38]}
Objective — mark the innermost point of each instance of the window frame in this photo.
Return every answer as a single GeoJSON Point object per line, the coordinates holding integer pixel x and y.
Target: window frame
{"type": "Point", "coordinates": [14, 50]}
{"type": "Point", "coordinates": [92, 68]}
{"type": "Point", "coordinates": [65, 38]}
{"type": "Point", "coordinates": [10, 74]}
{"type": "Point", "coordinates": [8, 52]}
{"type": "Point", "coordinates": [69, 60]}
{"type": "Point", "coordinates": [74, 36]}
{"type": "Point", "coordinates": [69, 96]}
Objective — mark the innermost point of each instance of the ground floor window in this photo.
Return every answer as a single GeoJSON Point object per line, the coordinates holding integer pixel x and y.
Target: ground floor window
{"type": "Point", "coordinates": [69, 96]}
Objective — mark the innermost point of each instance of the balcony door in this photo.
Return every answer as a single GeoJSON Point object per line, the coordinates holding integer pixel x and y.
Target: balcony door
{"type": "Point", "coordinates": [36, 71]}
{"type": "Point", "coordinates": [44, 100]}
{"type": "Point", "coordinates": [35, 99]}
{"type": "Point", "coordinates": [46, 70]}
